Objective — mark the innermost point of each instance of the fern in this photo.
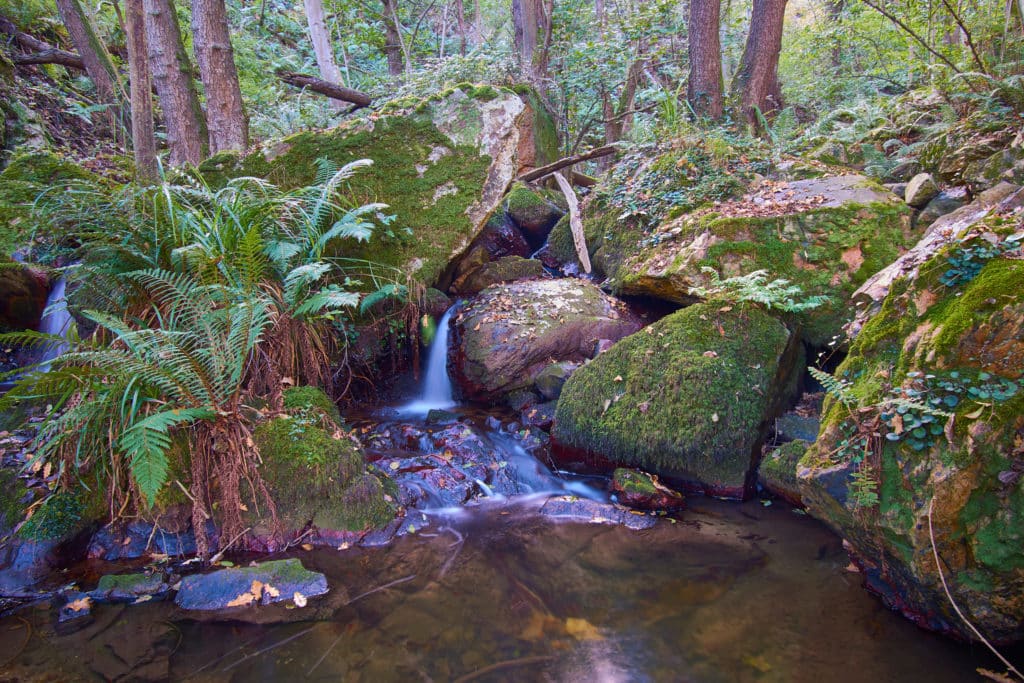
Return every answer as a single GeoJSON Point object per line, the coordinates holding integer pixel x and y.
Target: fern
{"type": "Point", "coordinates": [146, 444]}
{"type": "Point", "coordinates": [838, 389]}
{"type": "Point", "coordinates": [755, 287]}
{"type": "Point", "coordinates": [390, 291]}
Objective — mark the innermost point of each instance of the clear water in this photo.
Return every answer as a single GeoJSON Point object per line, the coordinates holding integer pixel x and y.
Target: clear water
{"type": "Point", "coordinates": [731, 592]}
{"type": "Point", "coordinates": [436, 393]}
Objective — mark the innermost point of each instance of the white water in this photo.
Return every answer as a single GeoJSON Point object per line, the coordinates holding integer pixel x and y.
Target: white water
{"type": "Point", "coordinates": [436, 393]}
{"type": "Point", "coordinates": [56, 321]}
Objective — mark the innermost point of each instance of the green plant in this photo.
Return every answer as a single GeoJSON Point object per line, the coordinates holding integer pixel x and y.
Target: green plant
{"type": "Point", "coordinates": [756, 287]}
{"type": "Point", "coordinates": [966, 260]}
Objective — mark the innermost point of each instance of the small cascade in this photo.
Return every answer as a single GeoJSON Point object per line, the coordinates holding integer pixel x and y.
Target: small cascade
{"type": "Point", "coordinates": [436, 393]}
{"type": "Point", "coordinates": [56, 321]}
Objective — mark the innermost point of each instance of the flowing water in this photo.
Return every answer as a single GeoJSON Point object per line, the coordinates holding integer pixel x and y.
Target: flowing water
{"type": "Point", "coordinates": [488, 588]}
{"type": "Point", "coordinates": [56, 321]}
{"type": "Point", "coordinates": [437, 391]}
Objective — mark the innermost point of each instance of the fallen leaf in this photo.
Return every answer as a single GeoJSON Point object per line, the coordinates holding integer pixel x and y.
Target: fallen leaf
{"type": "Point", "coordinates": [79, 605]}
{"type": "Point", "coordinates": [394, 465]}
{"type": "Point", "coordinates": [714, 417]}
{"type": "Point", "coordinates": [581, 629]}
{"type": "Point", "coordinates": [271, 591]}
{"type": "Point", "coordinates": [257, 590]}
{"type": "Point", "coordinates": [307, 546]}
{"type": "Point", "coordinates": [243, 600]}
{"type": "Point", "coordinates": [618, 378]}
{"type": "Point", "coordinates": [299, 599]}
{"type": "Point", "coordinates": [142, 598]}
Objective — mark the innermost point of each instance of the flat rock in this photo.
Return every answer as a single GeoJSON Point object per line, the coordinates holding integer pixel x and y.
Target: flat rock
{"type": "Point", "coordinates": [585, 511]}
{"type": "Point", "coordinates": [236, 587]}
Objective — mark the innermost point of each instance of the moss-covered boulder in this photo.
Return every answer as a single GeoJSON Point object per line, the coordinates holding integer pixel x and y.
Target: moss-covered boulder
{"type": "Point", "coordinates": [925, 453]}
{"type": "Point", "coordinates": [310, 399]}
{"type": "Point", "coordinates": [317, 477]}
{"type": "Point", "coordinates": [689, 398]}
{"type": "Point", "coordinates": [533, 211]}
{"type": "Point", "coordinates": [827, 235]}
{"type": "Point", "coordinates": [505, 269]}
{"type": "Point", "coordinates": [508, 334]}
{"type": "Point", "coordinates": [441, 164]}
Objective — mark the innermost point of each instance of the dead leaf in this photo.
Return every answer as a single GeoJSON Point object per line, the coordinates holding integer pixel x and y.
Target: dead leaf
{"type": "Point", "coordinates": [271, 591]}
{"type": "Point", "coordinates": [618, 378]}
{"type": "Point", "coordinates": [80, 605]}
{"type": "Point", "coordinates": [307, 546]}
{"type": "Point", "coordinates": [581, 629]}
{"type": "Point", "coordinates": [299, 599]}
{"type": "Point", "coordinates": [243, 600]}
{"type": "Point", "coordinates": [710, 354]}
{"type": "Point", "coordinates": [257, 590]}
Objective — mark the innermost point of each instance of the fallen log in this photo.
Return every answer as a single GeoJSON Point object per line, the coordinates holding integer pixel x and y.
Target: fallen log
{"type": "Point", "coordinates": [575, 222]}
{"type": "Point", "coordinates": [326, 88]}
{"type": "Point", "coordinates": [539, 173]}
{"type": "Point", "coordinates": [51, 56]}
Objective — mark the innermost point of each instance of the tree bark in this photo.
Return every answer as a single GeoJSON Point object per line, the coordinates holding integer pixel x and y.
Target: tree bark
{"type": "Point", "coordinates": [228, 127]}
{"type": "Point", "coordinates": [539, 173]}
{"type": "Point", "coordinates": [94, 56]}
{"type": "Point", "coordinates": [531, 20]}
{"type": "Point", "coordinates": [460, 18]}
{"type": "Point", "coordinates": [393, 39]}
{"type": "Point", "coordinates": [756, 83]}
{"type": "Point", "coordinates": [143, 140]}
{"type": "Point", "coordinates": [335, 92]}
{"type": "Point", "coordinates": [321, 39]}
{"type": "Point", "coordinates": [704, 88]}
{"type": "Point", "coordinates": [172, 75]}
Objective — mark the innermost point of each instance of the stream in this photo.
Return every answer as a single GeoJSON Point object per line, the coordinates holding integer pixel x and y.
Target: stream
{"type": "Point", "coordinates": [492, 589]}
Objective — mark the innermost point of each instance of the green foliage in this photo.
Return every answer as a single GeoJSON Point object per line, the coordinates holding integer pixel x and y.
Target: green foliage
{"type": "Point", "coordinates": [968, 258]}
{"type": "Point", "coordinates": [864, 487]}
{"type": "Point", "coordinates": [836, 387]}
{"type": "Point", "coordinates": [755, 287]}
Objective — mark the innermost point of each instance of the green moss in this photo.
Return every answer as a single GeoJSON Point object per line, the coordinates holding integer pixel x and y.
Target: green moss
{"type": "Point", "coordinates": [430, 207]}
{"type": "Point", "coordinates": [11, 508]}
{"type": "Point", "coordinates": [62, 516]}
{"type": "Point", "coordinates": [362, 505]}
{"type": "Point", "coordinates": [996, 285]}
{"type": "Point", "coordinates": [780, 465]}
{"type": "Point", "coordinates": [701, 415]}
{"type": "Point", "coordinates": [632, 481]}
{"type": "Point", "coordinates": [311, 398]}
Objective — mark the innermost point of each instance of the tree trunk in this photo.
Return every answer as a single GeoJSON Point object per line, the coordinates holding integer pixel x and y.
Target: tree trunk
{"type": "Point", "coordinates": [95, 57]}
{"type": "Point", "coordinates": [704, 88]}
{"type": "Point", "coordinates": [756, 83]}
{"type": "Point", "coordinates": [478, 24]}
{"type": "Point", "coordinates": [460, 18]}
{"type": "Point", "coordinates": [143, 140]}
{"type": "Point", "coordinates": [531, 21]}
{"type": "Point", "coordinates": [393, 39]}
{"type": "Point", "coordinates": [172, 75]}
{"type": "Point", "coordinates": [225, 112]}
{"type": "Point", "coordinates": [321, 38]}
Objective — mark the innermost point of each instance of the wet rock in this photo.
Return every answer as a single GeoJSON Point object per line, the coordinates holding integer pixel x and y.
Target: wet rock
{"type": "Point", "coordinates": [643, 491]}
{"type": "Point", "coordinates": [945, 202]}
{"type": "Point", "coordinates": [790, 426]}
{"type": "Point", "coordinates": [951, 336]}
{"type": "Point", "coordinates": [777, 471]}
{"type": "Point", "coordinates": [584, 511]}
{"type": "Point", "coordinates": [541, 416]}
{"type": "Point", "coordinates": [279, 581]}
{"type": "Point", "coordinates": [75, 613]}
{"type": "Point", "coordinates": [551, 379]}
{"type": "Point", "coordinates": [435, 302]}
{"type": "Point", "coordinates": [23, 292]}
{"type": "Point", "coordinates": [920, 190]}
{"type": "Point", "coordinates": [139, 538]}
{"type": "Point", "coordinates": [508, 334]}
{"type": "Point", "coordinates": [505, 269]}
{"type": "Point", "coordinates": [722, 376]}
{"type": "Point", "coordinates": [130, 587]}
{"type": "Point", "coordinates": [440, 417]}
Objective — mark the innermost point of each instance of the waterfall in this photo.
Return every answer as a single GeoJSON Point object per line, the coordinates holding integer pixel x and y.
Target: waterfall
{"type": "Point", "coordinates": [56, 320]}
{"type": "Point", "coordinates": [436, 393]}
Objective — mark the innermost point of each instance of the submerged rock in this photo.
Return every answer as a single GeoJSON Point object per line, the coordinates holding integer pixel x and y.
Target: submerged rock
{"type": "Point", "coordinates": [582, 510]}
{"type": "Point", "coordinates": [939, 372]}
{"type": "Point", "coordinates": [261, 584]}
{"type": "Point", "coordinates": [689, 398]}
{"type": "Point", "coordinates": [506, 337]}
{"type": "Point", "coordinates": [777, 472]}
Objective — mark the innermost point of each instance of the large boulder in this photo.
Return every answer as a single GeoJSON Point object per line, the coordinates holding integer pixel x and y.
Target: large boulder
{"type": "Point", "coordinates": [506, 336]}
{"type": "Point", "coordinates": [441, 164]}
{"type": "Point", "coordinates": [23, 292]}
{"type": "Point", "coordinates": [826, 235]}
{"type": "Point", "coordinates": [689, 398]}
{"type": "Point", "coordinates": [922, 445]}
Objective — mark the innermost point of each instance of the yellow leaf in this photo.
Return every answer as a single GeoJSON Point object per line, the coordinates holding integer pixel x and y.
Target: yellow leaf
{"type": "Point", "coordinates": [581, 629]}
{"type": "Point", "coordinates": [243, 600]}
{"type": "Point", "coordinates": [80, 604]}
{"type": "Point", "coordinates": [299, 599]}
{"type": "Point", "coordinates": [256, 590]}
{"type": "Point", "coordinates": [974, 415]}
{"type": "Point", "coordinates": [242, 507]}
{"type": "Point", "coordinates": [307, 546]}
{"type": "Point", "coordinates": [271, 591]}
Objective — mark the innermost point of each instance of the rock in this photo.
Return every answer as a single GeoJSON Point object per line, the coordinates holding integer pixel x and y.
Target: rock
{"type": "Point", "coordinates": [505, 269]}
{"type": "Point", "coordinates": [534, 212]}
{"type": "Point", "coordinates": [824, 235]}
{"type": "Point", "coordinates": [541, 416]}
{"type": "Point", "coordinates": [315, 478]}
{"type": "Point", "coordinates": [949, 334]}
{"type": "Point", "coordinates": [508, 334]}
{"type": "Point", "coordinates": [499, 238]}
{"type": "Point", "coordinates": [831, 152]}
{"type": "Point", "coordinates": [442, 165]}
{"type": "Point", "coordinates": [279, 581]}
{"type": "Point", "coordinates": [945, 202]}
{"type": "Point", "coordinates": [898, 189]}
{"type": "Point", "coordinates": [23, 292]}
{"type": "Point", "coordinates": [701, 417]}
{"type": "Point", "coordinates": [920, 190]}
{"type": "Point", "coordinates": [435, 303]}
{"type": "Point", "coordinates": [130, 587]}
{"type": "Point", "coordinates": [584, 511]}
{"type": "Point", "coordinates": [139, 538]}
{"type": "Point", "coordinates": [310, 400]}
{"type": "Point", "coordinates": [777, 471]}
{"type": "Point", "coordinates": [643, 491]}
{"type": "Point", "coordinates": [75, 613]}
{"type": "Point", "coordinates": [550, 380]}
{"type": "Point", "coordinates": [903, 172]}
{"type": "Point", "coordinates": [791, 427]}
{"type": "Point", "coordinates": [939, 235]}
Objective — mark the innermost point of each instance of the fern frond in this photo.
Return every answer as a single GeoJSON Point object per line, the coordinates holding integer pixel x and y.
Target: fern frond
{"type": "Point", "coordinates": [389, 291]}
{"type": "Point", "coordinates": [838, 389]}
{"type": "Point", "coordinates": [146, 444]}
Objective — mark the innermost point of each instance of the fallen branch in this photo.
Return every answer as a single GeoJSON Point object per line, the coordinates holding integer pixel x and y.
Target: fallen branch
{"type": "Point", "coordinates": [326, 88]}
{"type": "Point", "coordinates": [575, 221]}
{"type": "Point", "coordinates": [51, 56]}
{"type": "Point", "coordinates": [538, 173]}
